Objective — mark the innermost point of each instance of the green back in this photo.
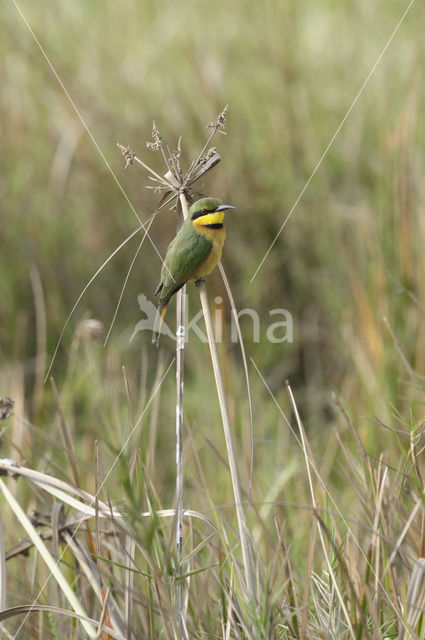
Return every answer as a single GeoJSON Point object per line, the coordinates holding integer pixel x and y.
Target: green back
{"type": "Point", "coordinates": [185, 253]}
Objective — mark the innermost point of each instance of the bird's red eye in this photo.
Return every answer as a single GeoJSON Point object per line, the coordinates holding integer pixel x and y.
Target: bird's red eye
{"type": "Point", "coordinates": [204, 211]}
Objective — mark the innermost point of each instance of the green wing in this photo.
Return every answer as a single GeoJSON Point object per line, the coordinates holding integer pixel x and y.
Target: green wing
{"type": "Point", "coordinates": [186, 252]}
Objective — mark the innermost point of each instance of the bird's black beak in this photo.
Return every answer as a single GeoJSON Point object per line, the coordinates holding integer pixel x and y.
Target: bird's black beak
{"type": "Point", "coordinates": [224, 207]}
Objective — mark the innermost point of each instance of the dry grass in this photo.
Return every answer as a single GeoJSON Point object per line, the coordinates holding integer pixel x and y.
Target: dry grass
{"type": "Point", "coordinates": [361, 576]}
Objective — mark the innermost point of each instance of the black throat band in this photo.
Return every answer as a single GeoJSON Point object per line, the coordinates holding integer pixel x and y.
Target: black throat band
{"type": "Point", "coordinates": [216, 225]}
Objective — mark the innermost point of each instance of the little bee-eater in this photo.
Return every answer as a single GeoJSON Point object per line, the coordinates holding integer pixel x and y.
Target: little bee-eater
{"type": "Point", "coordinates": [193, 253]}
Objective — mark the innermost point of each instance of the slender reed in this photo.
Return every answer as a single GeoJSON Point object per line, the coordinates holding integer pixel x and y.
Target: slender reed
{"type": "Point", "coordinates": [231, 454]}
{"type": "Point", "coordinates": [174, 181]}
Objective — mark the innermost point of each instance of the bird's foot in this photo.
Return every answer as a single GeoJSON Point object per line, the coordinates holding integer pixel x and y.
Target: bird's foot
{"type": "Point", "coordinates": [199, 281]}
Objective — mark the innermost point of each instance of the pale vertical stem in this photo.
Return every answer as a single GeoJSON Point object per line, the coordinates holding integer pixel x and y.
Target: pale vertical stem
{"type": "Point", "coordinates": [180, 335]}
{"type": "Point", "coordinates": [180, 342]}
{"type": "Point", "coordinates": [130, 549]}
{"type": "Point", "coordinates": [231, 454]}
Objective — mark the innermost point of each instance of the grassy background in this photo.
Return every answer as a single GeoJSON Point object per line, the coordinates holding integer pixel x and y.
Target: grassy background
{"type": "Point", "coordinates": [351, 253]}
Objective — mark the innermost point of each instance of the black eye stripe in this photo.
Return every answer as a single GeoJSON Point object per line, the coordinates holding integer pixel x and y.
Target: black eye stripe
{"type": "Point", "coordinates": [203, 212]}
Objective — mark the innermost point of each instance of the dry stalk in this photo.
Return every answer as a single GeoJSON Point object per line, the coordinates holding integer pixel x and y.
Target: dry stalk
{"type": "Point", "coordinates": [180, 343]}
{"type": "Point", "coordinates": [237, 490]}
{"type": "Point", "coordinates": [415, 601]}
{"type": "Point", "coordinates": [174, 181]}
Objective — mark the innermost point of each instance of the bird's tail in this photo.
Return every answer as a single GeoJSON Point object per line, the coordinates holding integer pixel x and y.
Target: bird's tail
{"type": "Point", "coordinates": [159, 319]}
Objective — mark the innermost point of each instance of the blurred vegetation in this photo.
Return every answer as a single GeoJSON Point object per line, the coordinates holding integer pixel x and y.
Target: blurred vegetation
{"type": "Point", "coordinates": [350, 254]}
{"type": "Point", "coordinates": [352, 250]}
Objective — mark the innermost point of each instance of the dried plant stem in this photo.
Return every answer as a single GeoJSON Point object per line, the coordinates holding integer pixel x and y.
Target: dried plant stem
{"type": "Point", "coordinates": [237, 491]}
{"type": "Point", "coordinates": [180, 342]}
{"type": "Point", "coordinates": [175, 181]}
{"type": "Point", "coordinates": [248, 384]}
{"type": "Point", "coordinates": [180, 335]}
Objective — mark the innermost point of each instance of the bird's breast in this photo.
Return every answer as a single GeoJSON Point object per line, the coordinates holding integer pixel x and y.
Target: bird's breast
{"type": "Point", "coordinates": [217, 238]}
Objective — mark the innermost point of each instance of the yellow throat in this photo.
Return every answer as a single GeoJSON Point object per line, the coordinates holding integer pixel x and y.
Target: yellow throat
{"type": "Point", "coordinates": [216, 217]}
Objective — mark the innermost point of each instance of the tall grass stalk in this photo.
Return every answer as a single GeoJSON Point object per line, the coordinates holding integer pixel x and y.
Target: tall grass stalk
{"type": "Point", "coordinates": [180, 343]}
{"type": "Point", "coordinates": [176, 182]}
{"type": "Point", "coordinates": [231, 454]}
{"type": "Point", "coordinates": [180, 336]}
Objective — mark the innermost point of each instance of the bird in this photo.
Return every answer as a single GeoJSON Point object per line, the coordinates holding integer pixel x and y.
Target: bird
{"type": "Point", "coordinates": [192, 254]}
